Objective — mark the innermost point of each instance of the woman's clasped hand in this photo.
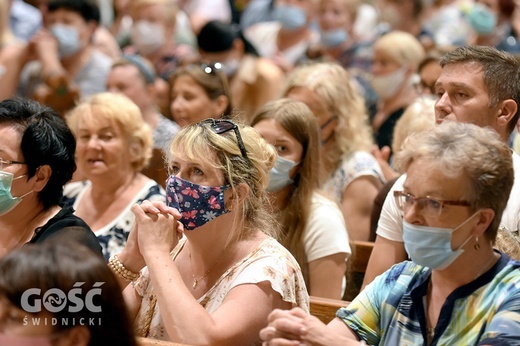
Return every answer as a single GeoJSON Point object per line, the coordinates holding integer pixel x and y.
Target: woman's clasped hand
{"type": "Point", "coordinates": [159, 220]}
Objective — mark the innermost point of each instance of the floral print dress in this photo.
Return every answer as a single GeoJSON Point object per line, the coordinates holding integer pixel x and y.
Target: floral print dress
{"type": "Point", "coordinates": [112, 236]}
{"type": "Point", "coordinates": [270, 261]}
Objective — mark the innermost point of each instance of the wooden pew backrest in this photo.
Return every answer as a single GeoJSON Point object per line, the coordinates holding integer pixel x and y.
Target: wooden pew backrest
{"type": "Point", "coordinates": [325, 308]}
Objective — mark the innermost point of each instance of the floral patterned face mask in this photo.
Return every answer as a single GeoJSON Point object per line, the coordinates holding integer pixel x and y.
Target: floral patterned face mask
{"type": "Point", "coordinates": [197, 204]}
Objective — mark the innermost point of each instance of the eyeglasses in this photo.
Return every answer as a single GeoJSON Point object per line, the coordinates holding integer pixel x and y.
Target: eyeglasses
{"type": "Point", "coordinates": [430, 207]}
{"type": "Point", "coordinates": [4, 163]}
{"type": "Point", "coordinates": [220, 126]}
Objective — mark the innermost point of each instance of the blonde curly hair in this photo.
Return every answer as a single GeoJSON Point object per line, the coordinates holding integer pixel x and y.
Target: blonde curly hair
{"type": "Point", "coordinates": [335, 87]}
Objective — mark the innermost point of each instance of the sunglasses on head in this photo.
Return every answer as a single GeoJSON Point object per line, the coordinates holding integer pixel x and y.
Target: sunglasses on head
{"type": "Point", "coordinates": [220, 126]}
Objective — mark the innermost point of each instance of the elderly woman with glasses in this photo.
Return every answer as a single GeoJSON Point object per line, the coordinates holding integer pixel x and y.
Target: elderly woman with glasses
{"type": "Point", "coordinates": [457, 289]}
{"type": "Point", "coordinates": [198, 92]}
{"type": "Point", "coordinates": [227, 273]}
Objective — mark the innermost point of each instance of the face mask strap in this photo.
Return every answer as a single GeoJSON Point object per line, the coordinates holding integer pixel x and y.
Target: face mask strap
{"type": "Point", "coordinates": [467, 220]}
{"type": "Point", "coordinates": [25, 194]}
{"type": "Point", "coordinates": [462, 224]}
{"type": "Point", "coordinates": [20, 176]}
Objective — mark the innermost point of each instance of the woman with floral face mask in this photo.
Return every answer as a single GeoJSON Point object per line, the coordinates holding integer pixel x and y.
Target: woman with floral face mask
{"type": "Point", "coordinates": [457, 290]}
{"type": "Point", "coordinates": [396, 58]}
{"type": "Point", "coordinates": [226, 273]}
{"type": "Point", "coordinates": [313, 227]}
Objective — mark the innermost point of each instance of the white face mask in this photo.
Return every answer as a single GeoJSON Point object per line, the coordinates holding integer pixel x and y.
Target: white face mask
{"type": "Point", "coordinates": [387, 86]}
{"type": "Point", "coordinates": [333, 38]}
{"type": "Point", "coordinates": [68, 39]}
{"type": "Point", "coordinates": [231, 67]}
{"type": "Point", "coordinates": [431, 246]}
{"type": "Point", "coordinates": [279, 174]}
{"type": "Point", "coordinates": [147, 37]}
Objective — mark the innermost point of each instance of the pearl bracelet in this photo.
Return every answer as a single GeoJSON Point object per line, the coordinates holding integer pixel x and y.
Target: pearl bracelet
{"type": "Point", "coordinates": [120, 269]}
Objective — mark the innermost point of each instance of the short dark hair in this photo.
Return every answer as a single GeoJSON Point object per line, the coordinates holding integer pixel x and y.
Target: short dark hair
{"type": "Point", "coordinates": [46, 140]}
{"type": "Point", "coordinates": [61, 265]}
{"type": "Point", "coordinates": [87, 9]}
{"type": "Point", "coordinates": [501, 72]}
{"type": "Point", "coordinates": [217, 36]}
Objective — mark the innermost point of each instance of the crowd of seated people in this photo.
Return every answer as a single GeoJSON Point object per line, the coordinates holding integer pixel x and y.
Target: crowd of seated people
{"type": "Point", "coordinates": [225, 159]}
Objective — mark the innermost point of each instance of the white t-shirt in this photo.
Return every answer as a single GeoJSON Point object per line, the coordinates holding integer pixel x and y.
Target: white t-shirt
{"type": "Point", "coordinates": [325, 233]}
{"type": "Point", "coordinates": [390, 225]}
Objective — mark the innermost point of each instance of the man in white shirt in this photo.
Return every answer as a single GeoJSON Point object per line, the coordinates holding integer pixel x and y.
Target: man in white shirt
{"type": "Point", "coordinates": [479, 85]}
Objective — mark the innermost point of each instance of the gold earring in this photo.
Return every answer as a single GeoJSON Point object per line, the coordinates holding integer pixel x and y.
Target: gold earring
{"type": "Point", "coordinates": [477, 245]}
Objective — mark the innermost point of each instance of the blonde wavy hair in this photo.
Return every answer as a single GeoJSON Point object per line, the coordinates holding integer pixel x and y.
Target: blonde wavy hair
{"type": "Point", "coordinates": [198, 142]}
{"type": "Point", "coordinates": [334, 86]}
{"type": "Point", "coordinates": [123, 112]}
{"type": "Point", "coordinates": [418, 116]}
{"type": "Point", "coordinates": [404, 48]}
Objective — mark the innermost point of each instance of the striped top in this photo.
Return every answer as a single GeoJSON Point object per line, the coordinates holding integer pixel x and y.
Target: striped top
{"type": "Point", "coordinates": [390, 311]}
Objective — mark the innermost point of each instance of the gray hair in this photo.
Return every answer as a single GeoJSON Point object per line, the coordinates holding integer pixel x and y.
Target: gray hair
{"type": "Point", "coordinates": [475, 152]}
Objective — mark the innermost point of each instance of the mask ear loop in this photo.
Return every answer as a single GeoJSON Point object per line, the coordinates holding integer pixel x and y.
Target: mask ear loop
{"type": "Point", "coordinates": [23, 175]}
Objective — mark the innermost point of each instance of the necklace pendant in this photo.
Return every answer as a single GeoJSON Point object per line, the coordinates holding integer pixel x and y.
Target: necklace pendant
{"type": "Point", "coordinates": [195, 283]}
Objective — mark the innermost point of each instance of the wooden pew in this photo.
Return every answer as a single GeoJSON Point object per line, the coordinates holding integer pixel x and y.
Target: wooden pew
{"type": "Point", "coordinates": [322, 308]}
{"type": "Point", "coordinates": [356, 267]}
{"type": "Point", "coordinates": [325, 308]}
{"type": "Point", "coordinates": [361, 251]}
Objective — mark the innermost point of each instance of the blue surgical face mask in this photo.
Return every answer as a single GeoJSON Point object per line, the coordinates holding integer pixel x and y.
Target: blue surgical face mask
{"type": "Point", "coordinates": [197, 204]}
{"type": "Point", "coordinates": [333, 38]}
{"type": "Point", "coordinates": [68, 39]}
{"type": "Point", "coordinates": [482, 20]}
{"type": "Point", "coordinates": [279, 174]}
{"type": "Point", "coordinates": [290, 17]}
{"type": "Point", "coordinates": [431, 246]}
{"type": "Point", "coordinates": [7, 201]}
